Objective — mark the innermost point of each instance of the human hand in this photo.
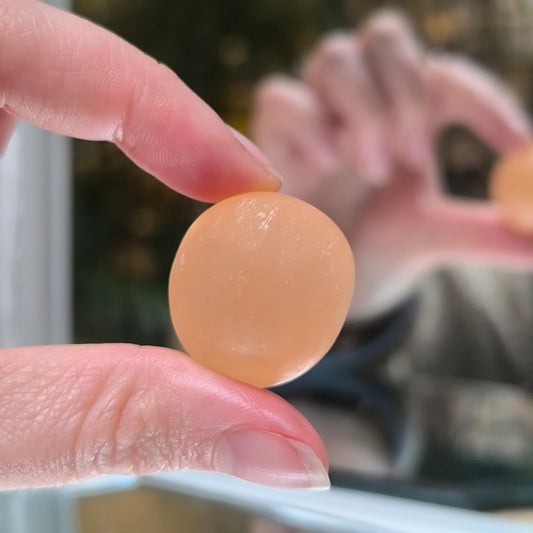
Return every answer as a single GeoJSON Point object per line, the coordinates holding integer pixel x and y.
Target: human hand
{"type": "Point", "coordinates": [71, 412]}
{"type": "Point", "coordinates": [356, 137]}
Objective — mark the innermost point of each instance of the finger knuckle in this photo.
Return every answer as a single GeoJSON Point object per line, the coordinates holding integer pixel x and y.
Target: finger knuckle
{"type": "Point", "coordinates": [125, 430]}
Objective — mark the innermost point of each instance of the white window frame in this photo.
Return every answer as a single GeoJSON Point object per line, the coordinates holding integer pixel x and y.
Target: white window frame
{"type": "Point", "coordinates": [35, 236]}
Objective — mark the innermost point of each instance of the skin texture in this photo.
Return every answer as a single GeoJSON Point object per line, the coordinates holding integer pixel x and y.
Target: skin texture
{"type": "Point", "coordinates": [355, 135]}
{"type": "Point", "coordinates": [71, 412]}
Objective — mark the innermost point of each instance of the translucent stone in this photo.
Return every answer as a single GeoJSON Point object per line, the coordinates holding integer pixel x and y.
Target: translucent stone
{"type": "Point", "coordinates": [511, 187]}
{"type": "Point", "coordinates": [260, 287]}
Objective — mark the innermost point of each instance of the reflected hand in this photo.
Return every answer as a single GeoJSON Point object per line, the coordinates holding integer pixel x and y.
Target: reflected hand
{"type": "Point", "coordinates": [71, 412]}
{"type": "Point", "coordinates": [356, 137]}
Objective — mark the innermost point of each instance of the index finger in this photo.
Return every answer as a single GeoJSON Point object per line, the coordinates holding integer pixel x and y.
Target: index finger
{"type": "Point", "coordinates": [67, 75]}
{"type": "Point", "coordinates": [465, 94]}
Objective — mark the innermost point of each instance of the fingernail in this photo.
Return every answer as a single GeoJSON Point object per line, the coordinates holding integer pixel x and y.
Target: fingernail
{"type": "Point", "coordinates": [269, 459]}
{"type": "Point", "coordinates": [255, 152]}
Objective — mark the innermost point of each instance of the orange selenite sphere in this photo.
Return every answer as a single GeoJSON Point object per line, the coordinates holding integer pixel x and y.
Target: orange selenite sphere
{"type": "Point", "coordinates": [511, 187]}
{"type": "Point", "coordinates": [260, 287]}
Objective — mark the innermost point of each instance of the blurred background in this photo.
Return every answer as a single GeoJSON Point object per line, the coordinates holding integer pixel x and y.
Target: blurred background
{"type": "Point", "coordinates": [128, 226]}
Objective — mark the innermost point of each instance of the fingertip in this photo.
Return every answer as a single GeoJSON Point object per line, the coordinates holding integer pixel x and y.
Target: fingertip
{"type": "Point", "coordinates": [386, 21]}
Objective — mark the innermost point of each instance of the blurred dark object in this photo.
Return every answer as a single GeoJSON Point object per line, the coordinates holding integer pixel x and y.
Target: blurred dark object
{"type": "Point", "coordinates": [473, 451]}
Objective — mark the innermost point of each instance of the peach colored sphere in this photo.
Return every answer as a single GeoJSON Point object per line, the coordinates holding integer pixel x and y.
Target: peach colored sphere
{"type": "Point", "coordinates": [511, 187]}
{"type": "Point", "coordinates": [260, 287]}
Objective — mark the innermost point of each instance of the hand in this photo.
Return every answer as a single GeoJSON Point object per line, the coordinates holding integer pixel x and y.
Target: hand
{"type": "Point", "coordinates": [70, 412]}
{"type": "Point", "coordinates": [356, 137]}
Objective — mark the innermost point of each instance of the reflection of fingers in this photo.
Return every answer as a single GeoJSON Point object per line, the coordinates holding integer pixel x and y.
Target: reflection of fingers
{"type": "Point", "coordinates": [62, 73]}
{"type": "Point", "coordinates": [339, 75]}
{"type": "Point", "coordinates": [70, 412]}
{"type": "Point", "coordinates": [468, 231]}
{"type": "Point", "coordinates": [463, 93]}
{"type": "Point", "coordinates": [394, 57]}
{"type": "Point", "coordinates": [290, 128]}
{"type": "Point", "coordinates": [7, 125]}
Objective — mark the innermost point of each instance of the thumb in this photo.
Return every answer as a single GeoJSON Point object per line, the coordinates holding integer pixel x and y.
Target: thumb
{"type": "Point", "coordinates": [463, 230]}
{"type": "Point", "coordinates": [72, 412]}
